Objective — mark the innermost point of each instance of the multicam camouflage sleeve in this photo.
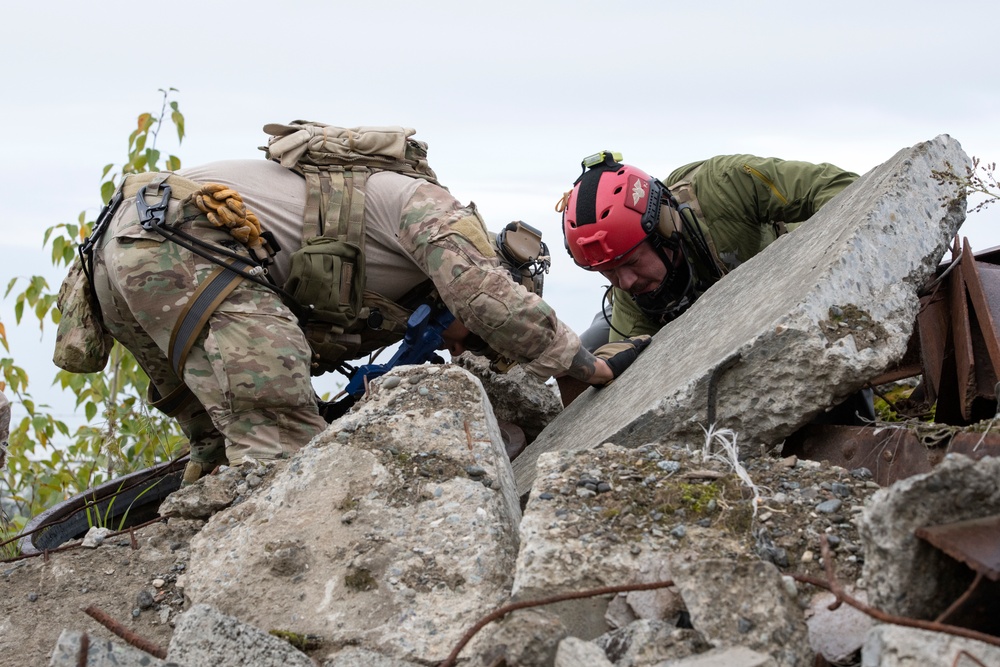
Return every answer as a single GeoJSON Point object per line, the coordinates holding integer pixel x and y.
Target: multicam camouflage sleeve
{"type": "Point", "coordinates": [451, 244]}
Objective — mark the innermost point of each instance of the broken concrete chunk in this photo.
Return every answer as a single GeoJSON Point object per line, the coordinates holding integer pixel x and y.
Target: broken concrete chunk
{"type": "Point", "coordinates": [898, 646]}
{"type": "Point", "coordinates": [744, 604]}
{"type": "Point", "coordinates": [650, 642]}
{"type": "Point", "coordinates": [204, 636]}
{"type": "Point", "coordinates": [732, 656]}
{"type": "Point", "coordinates": [100, 653]}
{"type": "Point", "coordinates": [390, 531]}
{"type": "Point", "coordinates": [907, 576]}
{"type": "Point", "coordinates": [574, 652]}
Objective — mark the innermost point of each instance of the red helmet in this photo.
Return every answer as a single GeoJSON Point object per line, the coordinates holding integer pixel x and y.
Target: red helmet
{"type": "Point", "coordinates": [612, 208]}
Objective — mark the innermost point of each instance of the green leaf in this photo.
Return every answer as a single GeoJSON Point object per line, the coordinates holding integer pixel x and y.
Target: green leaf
{"type": "Point", "coordinates": [146, 121]}
{"type": "Point", "coordinates": [178, 120]}
{"type": "Point", "coordinates": [107, 191]}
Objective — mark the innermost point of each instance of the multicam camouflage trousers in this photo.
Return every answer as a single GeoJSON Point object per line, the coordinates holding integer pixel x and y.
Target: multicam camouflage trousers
{"type": "Point", "coordinates": [248, 370]}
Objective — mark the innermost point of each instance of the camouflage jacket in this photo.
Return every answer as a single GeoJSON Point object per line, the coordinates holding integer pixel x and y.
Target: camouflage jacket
{"type": "Point", "coordinates": [416, 230]}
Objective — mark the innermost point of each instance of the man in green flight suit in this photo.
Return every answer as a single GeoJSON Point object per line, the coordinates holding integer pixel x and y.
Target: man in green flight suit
{"type": "Point", "coordinates": [663, 244]}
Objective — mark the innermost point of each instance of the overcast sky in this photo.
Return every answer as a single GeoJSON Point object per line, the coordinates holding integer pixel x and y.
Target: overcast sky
{"type": "Point", "coordinates": [509, 95]}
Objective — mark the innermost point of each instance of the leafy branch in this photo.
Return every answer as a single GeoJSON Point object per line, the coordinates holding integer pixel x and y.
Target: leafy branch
{"type": "Point", "coordinates": [979, 179]}
{"type": "Point", "coordinates": [120, 434]}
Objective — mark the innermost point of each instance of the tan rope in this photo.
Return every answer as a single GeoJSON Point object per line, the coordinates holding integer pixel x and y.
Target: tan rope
{"type": "Point", "coordinates": [224, 207]}
{"type": "Point", "coordinates": [563, 201]}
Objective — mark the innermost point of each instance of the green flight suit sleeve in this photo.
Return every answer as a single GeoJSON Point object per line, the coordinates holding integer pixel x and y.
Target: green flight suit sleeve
{"type": "Point", "coordinates": [745, 199]}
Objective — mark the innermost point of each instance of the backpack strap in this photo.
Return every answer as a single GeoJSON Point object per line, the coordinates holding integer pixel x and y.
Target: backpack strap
{"type": "Point", "coordinates": [693, 228]}
{"type": "Point", "coordinates": [210, 293]}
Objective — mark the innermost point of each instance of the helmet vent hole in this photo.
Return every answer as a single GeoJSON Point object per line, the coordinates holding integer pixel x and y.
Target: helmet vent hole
{"type": "Point", "coordinates": [618, 189]}
{"type": "Point", "coordinates": [605, 213]}
{"type": "Point", "coordinates": [621, 171]}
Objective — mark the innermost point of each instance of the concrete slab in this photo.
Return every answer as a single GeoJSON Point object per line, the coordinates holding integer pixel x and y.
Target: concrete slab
{"type": "Point", "coordinates": [798, 328]}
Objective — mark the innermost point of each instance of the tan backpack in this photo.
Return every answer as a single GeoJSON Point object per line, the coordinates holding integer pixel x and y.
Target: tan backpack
{"type": "Point", "coordinates": [328, 273]}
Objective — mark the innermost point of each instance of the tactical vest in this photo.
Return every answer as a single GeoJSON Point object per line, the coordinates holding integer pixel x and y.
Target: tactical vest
{"type": "Point", "coordinates": [688, 221]}
{"type": "Point", "coordinates": [327, 274]}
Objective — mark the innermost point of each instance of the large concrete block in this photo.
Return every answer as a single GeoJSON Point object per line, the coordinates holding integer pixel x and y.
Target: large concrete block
{"type": "Point", "coordinates": [391, 531]}
{"type": "Point", "coordinates": [796, 329]}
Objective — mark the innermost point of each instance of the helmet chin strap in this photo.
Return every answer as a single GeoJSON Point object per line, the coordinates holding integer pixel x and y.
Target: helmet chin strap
{"type": "Point", "coordinates": [675, 294]}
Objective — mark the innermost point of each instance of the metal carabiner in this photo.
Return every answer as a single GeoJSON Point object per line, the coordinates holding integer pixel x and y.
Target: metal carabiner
{"type": "Point", "coordinates": [154, 214]}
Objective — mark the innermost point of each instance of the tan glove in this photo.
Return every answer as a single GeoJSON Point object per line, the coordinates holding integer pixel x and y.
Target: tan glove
{"type": "Point", "coordinates": [621, 354]}
{"type": "Point", "coordinates": [225, 208]}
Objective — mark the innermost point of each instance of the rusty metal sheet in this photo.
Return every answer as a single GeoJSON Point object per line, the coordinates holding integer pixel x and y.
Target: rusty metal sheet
{"type": "Point", "coordinates": [980, 294]}
{"type": "Point", "coordinates": [890, 454]}
{"type": "Point", "coordinates": [975, 542]}
{"type": "Point", "coordinates": [961, 336]}
{"type": "Point", "coordinates": [514, 440]}
{"type": "Point", "coordinates": [933, 325]}
{"type": "Point", "coordinates": [989, 256]}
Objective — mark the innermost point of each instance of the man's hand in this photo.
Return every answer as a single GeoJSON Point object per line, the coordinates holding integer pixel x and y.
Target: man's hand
{"type": "Point", "coordinates": [621, 354]}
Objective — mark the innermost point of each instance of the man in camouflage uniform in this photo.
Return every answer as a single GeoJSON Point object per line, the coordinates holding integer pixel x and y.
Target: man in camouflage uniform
{"type": "Point", "coordinates": [248, 371]}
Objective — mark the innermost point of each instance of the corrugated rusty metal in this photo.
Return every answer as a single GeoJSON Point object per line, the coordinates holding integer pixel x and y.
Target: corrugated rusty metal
{"type": "Point", "coordinates": [889, 453]}
{"type": "Point", "coordinates": [955, 348]}
{"type": "Point", "coordinates": [956, 341]}
{"type": "Point", "coordinates": [983, 283]}
{"type": "Point", "coordinates": [933, 323]}
{"type": "Point", "coordinates": [975, 542]}
{"type": "Point", "coordinates": [961, 338]}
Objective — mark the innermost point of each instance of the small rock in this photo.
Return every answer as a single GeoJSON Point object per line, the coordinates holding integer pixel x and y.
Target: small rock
{"type": "Point", "coordinates": [95, 537]}
{"type": "Point", "coordinates": [829, 506]}
{"type": "Point", "coordinates": [144, 599]}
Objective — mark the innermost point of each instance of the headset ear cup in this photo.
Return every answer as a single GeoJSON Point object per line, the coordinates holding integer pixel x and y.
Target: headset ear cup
{"type": "Point", "coordinates": [666, 225]}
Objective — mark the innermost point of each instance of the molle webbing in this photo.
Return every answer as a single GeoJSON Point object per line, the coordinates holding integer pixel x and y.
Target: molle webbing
{"type": "Point", "coordinates": [335, 205]}
{"type": "Point", "coordinates": [181, 187]}
{"type": "Point", "coordinates": [327, 274]}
